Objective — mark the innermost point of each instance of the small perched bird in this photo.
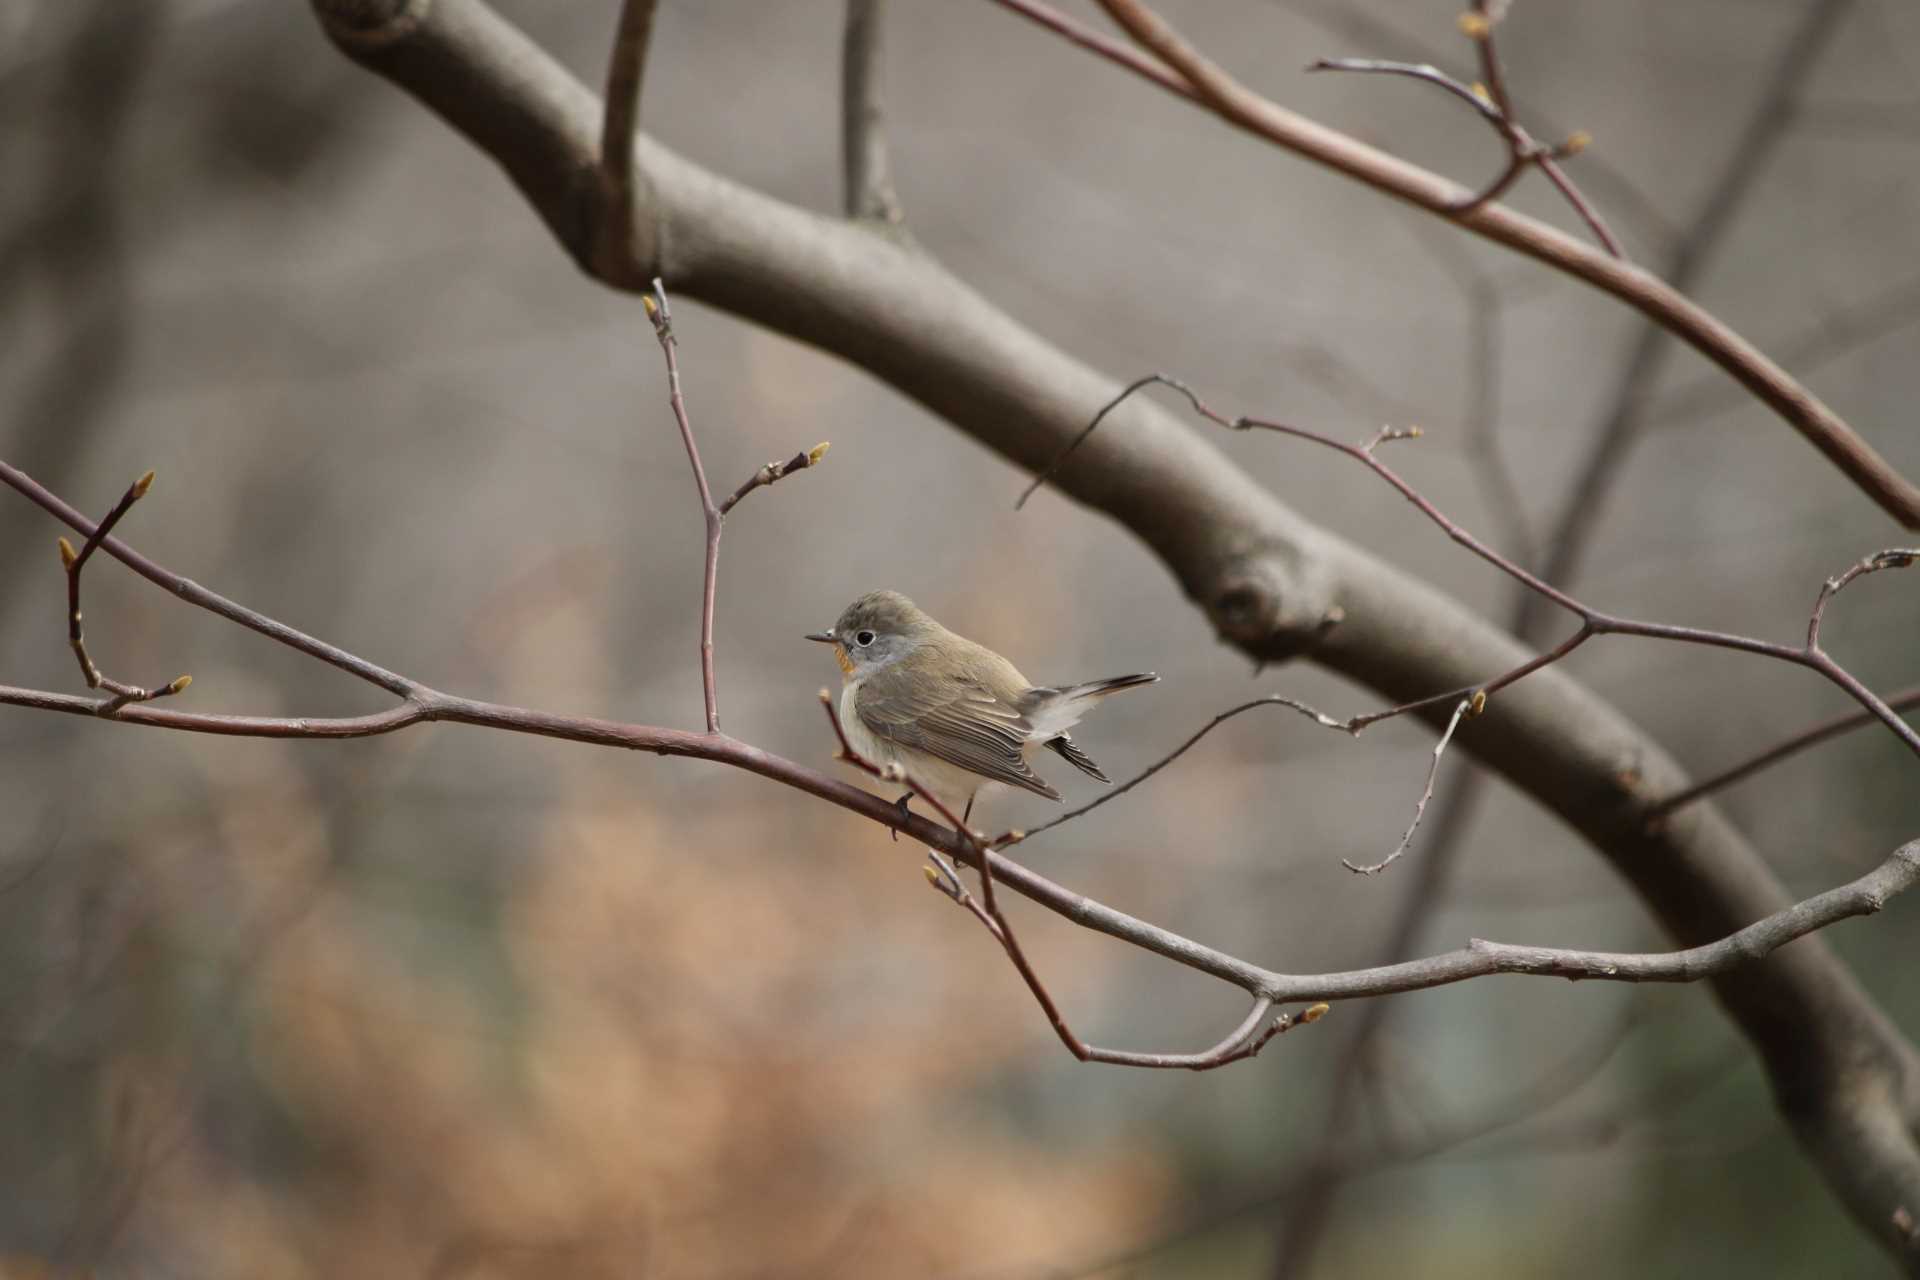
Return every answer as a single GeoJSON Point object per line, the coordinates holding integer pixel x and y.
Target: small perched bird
{"type": "Point", "coordinates": [954, 714]}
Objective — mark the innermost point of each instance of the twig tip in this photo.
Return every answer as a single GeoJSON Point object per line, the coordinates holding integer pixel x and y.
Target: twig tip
{"type": "Point", "coordinates": [67, 554]}
{"type": "Point", "coordinates": [818, 452]}
{"type": "Point", "coordinates": [1315, 1012]}
{"type": "Point", "coordinates": [1474, 26]}
{"type": "Point", "coordinates": [143, 484]}
{"type": "Point", "coordinates": [179, 684]}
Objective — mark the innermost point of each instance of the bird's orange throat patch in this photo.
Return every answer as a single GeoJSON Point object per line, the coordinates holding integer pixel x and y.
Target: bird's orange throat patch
{"type": "Point", "coordinates": [840, 656]}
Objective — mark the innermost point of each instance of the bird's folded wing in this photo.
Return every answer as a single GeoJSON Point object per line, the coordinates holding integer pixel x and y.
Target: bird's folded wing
{"type": "Point", "coordinates": [953, 719]}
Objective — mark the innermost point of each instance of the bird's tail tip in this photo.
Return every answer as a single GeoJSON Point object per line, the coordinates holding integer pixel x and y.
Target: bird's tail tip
{"type": "Point", "coordinates": [1114, 684]}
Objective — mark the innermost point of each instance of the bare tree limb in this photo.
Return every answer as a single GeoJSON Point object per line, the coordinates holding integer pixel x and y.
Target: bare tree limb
{"type": "Point", "coordinates": [1244, 1041]}
{"type": "Point", "coordinates": [423, 704]}
{"type": "Point", "coordinates": [1666, 305]}
{"type": "Point", "coordinates": [1365, 30]}
{"type": "Point", "coordinates": [76, 561]}
{"type": "Point", "coordinates": [1522, 150]}
{"type": "Point", "coordinates": [863, 134]}
{"type": "Point", "coordinates": [1593, 622]}
{"type": "Point", "coordinates": [1426, 793]}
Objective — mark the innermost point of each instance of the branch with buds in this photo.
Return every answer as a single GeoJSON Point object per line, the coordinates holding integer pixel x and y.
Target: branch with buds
{"type": "Point", "coordinates": [1268, 988]}
{"type": "Point", "coordinates": [74, 562]}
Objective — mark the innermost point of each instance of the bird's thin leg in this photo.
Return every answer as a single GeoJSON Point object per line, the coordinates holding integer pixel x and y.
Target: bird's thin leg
{"type": "Point", "coordinates": [905, 813]}
{"type": "Point", "coordinates": [966, 815]}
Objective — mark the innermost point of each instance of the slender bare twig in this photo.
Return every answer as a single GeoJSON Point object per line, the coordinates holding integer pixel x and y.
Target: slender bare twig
{"type": "Point", "coordinates": [1859, 897]}
{"type": "Point", "coordinates": [1522, 149]}
{"type": "Point", "coordinates": [1360, 27]}
{"type": "Point", "coordinates": [1244, 1041]}
{"type": "Point", "coordinates": [776, 471]}
{"type": "Point", "coordinates": [75, 562]}
{"type": "Point", "coordinates": [1893, 558]}
{"type": "Point", "coordinates": [1479, 25]}
{"type": "Point", "coordinates": [1114, 51]}
{"type": "Point", "coordinates": [662, 317]}
{"type": "Point", "coordinates": [1593, 622]}
{"type": "Point", "coordinates": [1105, 797]}
{"type": "Point", "coordinates": [1352, 727]}
{"type": "Point", "coordinates": [863, 138]}
{"type": "Point", "coordinates": [1420, 808]}
{"type": "Point", "coordinates": [1813, 735]}
{"type": "Point", "coordinates": [1199, 79]}
{"type": "Point", "coordinates": [1423, 71]}
{"type": "Point", "coordinates": [714, 514]}
{"type": "Point", "coordinates": [422, 704]}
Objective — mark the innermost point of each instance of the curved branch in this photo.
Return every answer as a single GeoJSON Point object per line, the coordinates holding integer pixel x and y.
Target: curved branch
{"type": "Point", "coordinates": [1480, 958]}
{"type": "Point", "coordinates": [1863, 896]}
{"type": "Point", "coordinates": [1676, 313]}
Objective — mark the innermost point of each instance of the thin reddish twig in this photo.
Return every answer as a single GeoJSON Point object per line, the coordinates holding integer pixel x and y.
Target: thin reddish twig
{"type": "Point", "coordinates": [422, 704]}
{"type": "Point", "coordinates": [1202, 81]}
{"type": "Point", "coordinates": [715, 515]}
{"type": "Point", "coordinates": [1244, 1041]}
{"type": "Point", "coordinates": [1420, 807]}
{"type": "Point", "coordinates": [1593, 622]}
{"type": "Point", "coordinates": [74, 562]}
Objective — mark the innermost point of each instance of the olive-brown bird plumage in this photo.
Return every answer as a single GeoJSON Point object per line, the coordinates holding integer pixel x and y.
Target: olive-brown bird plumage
{"type": "Point", "coordinates": [952, 712]}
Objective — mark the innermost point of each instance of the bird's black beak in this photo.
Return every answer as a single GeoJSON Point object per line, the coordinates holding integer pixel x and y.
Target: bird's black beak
{"type": "Point", "coordinates": [824, 637]}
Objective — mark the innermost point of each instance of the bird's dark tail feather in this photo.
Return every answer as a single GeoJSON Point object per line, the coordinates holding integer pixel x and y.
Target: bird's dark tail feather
{"type": "Point", "coordinates": [1092, 690]}
{"type": "Point", "coordinates": [1064, 748]}
{"type": "Point", "coordinates": [1113, 684]}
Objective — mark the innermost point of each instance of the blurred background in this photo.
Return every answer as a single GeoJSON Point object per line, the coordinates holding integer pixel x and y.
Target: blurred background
{"type": "Point", "coordinates": [463, 1004]}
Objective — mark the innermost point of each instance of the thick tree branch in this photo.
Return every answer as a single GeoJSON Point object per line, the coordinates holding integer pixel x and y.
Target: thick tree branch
{"type": "Point", "coordinates": [1270, 582]}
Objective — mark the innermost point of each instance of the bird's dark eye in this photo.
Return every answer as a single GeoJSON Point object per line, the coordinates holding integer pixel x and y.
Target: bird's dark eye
{"type": "Point", "coordinates": [863, 639]}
